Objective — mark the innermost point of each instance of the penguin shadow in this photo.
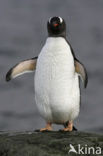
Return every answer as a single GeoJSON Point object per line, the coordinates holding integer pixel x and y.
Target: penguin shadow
{"type": "Point", "coordinates": [60, 130]}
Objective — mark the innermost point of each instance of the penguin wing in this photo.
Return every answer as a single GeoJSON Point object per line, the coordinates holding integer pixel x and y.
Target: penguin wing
{"type": "Point", "coordinates": [25, 66]}
{"type": "Point", "coordinates": [80, 69]}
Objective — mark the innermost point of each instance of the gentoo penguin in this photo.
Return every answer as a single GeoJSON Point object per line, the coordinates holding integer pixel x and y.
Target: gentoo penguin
{"type": "Point", "coordinates": [57, 72]}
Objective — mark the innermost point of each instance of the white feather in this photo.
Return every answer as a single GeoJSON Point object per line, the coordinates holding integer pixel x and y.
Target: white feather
{"type": "Point", "coordinates": [57, 92]}
{"type": "Point", "coordinates": [50, 19]}
{"type": "Point", "coordinates": [61, 20]}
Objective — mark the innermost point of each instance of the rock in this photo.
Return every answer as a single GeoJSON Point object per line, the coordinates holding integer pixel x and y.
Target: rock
{"type": "Point", "coordinates": [48, 143]}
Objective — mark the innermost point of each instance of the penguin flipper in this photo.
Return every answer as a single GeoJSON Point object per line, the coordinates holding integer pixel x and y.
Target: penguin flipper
{"type": "Point", "coordinates": [21, 68]}
{"type": "Point", "coordinates": [80, 69]}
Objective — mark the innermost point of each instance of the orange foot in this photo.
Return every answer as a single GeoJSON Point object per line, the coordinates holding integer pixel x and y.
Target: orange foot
{"type": "Point", "coordinates": [47, 128]}
{"type": "Point", "coordinates": [69, 127]}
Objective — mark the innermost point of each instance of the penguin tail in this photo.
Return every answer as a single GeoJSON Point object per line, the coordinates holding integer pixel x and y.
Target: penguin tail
{"type": "Point", "coordinates": [74, 128]}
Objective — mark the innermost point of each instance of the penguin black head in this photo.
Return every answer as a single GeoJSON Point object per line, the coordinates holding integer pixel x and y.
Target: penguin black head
{"type": "Point", "coordinates": [56, 27]}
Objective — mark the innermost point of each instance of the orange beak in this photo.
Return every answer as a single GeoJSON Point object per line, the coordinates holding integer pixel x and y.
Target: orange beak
{"type": "Point", "coordinates": [55, 25]}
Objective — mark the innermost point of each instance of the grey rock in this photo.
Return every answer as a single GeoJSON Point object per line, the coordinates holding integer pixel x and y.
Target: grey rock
{"type": "Point", "coordinates": [46, 143]}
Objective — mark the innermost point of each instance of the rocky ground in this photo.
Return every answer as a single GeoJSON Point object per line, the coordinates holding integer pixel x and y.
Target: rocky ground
{"type": "Point", "coordinates": [48, 143]}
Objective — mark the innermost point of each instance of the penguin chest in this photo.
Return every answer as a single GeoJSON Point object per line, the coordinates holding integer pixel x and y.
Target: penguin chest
{"type": "Point", "coordinates": [55, 82]}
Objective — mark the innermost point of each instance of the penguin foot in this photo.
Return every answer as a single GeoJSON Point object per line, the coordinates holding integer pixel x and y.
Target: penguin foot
{"type": "Point", "coordinates": [47, 128]}
{"type": "Point", "coordinates": [69, 127]}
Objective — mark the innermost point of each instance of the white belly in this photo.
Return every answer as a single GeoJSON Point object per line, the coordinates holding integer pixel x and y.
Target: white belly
{"type": "Point", "coordinates": [57, 92]}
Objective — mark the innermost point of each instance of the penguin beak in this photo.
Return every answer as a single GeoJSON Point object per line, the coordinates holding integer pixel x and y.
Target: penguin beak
{"type": "Point", "coordinates": [55, 24]}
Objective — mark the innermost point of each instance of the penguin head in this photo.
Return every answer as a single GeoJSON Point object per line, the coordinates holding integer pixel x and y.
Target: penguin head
{"type": "Point", "coordinates": [56, 27]}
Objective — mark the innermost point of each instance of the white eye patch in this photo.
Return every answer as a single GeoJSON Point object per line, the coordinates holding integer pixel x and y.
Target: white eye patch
{"type": "Point", "coordinates": [61, 20]}
{"type": "Point", "coordinates": [50, 19]}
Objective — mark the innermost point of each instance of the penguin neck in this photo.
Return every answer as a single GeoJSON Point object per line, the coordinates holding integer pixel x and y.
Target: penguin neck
{"type": "Point", "coordinates": [56, 41]}
{"type": "Point", "coordinates": [56, 45]}
{"type": "Point", "coordinates": [62, 34]}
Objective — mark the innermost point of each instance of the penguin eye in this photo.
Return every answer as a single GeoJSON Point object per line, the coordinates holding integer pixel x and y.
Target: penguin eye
{"type": "Point", "coordinates": [61, 20]}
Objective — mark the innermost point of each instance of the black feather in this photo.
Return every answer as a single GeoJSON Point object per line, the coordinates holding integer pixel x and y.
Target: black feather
{"type": "Point", "coordinates": [8, 75]}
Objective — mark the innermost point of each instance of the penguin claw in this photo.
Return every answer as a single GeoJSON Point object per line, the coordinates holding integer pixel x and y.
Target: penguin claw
{"type": "Point", "coordinates": [45, 130]}
{"type": "Point", "coordinates": [62, 130]}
